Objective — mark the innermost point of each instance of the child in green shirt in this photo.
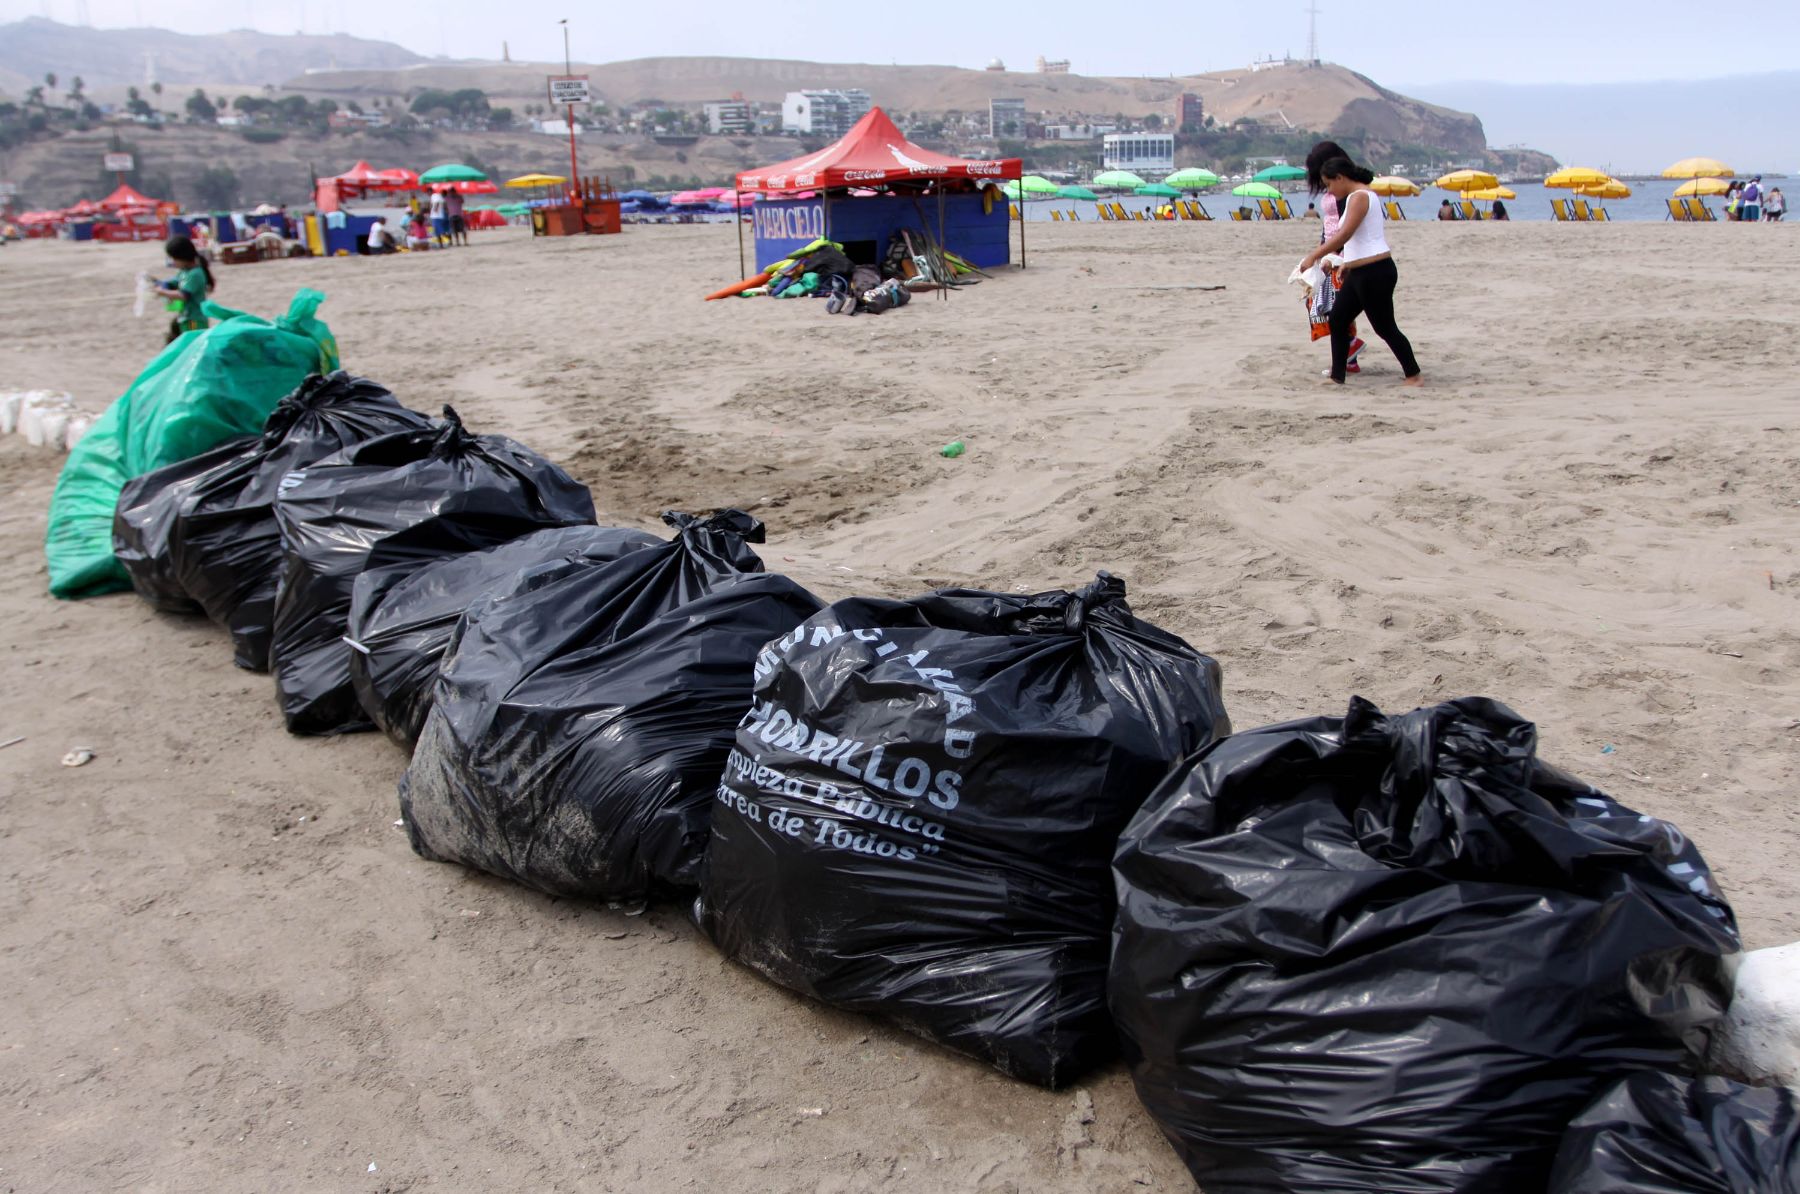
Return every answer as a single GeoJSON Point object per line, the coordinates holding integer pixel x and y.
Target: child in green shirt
{"type": "Point", "coordinates": [190, 287]}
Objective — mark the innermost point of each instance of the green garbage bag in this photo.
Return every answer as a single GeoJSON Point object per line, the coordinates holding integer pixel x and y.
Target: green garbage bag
{"type": "Point", "coordinates": [204, 388]}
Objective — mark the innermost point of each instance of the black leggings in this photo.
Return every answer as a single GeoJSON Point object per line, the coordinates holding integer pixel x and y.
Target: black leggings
{"type": "Point", "coordinates": [1369, 290]}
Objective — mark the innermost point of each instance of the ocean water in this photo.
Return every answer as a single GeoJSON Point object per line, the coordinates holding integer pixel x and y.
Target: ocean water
{"type": "Point", "coordinates": [1648, 202]}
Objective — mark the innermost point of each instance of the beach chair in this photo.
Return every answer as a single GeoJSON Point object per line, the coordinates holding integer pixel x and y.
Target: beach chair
{"type": "Point", "coordinates": [1118, 210]}
{"type": "Point", "coordinates": [1283, 210]}
{"type": "Point", "coordinates": [1468, 209]}
{"type": "Point", "coordinates": [1266, 210]}
{"type": "Point", "coordinates": [1598, 215]}
{"type": "Point", "coordinates": [1014, 209]}
{"type": "Point", "coordinates": [1075, 215]}
{"type": "Point", "coordinates": [1391, 209]}
{"type": "Point", "coordinates": [1560, 208]}
{"type": "Point", "coordinates": [1137, 215]}
{"type": "Point", "coordinates": [1677, 211]}
{"type": "Point", "coordinates": [1582, 215]}
{"type": "Point", "coordinates": [1056, 214]}
{"type": "Point", "coordinates": [1200, 212]}
{"type": "Point", "coordinates": [1240, 213]}
{"type": "Point", "coordinates": [1698, 211]}
{"type": "Point", "coordinates": [1100, 210]}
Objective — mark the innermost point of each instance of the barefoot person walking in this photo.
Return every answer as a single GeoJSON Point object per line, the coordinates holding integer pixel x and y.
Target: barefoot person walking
{"type": "Point", "coordinates": [1369, 274]}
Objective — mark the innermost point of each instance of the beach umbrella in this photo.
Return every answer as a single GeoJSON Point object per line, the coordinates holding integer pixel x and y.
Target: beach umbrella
{"type": "Point", "coordinates": [1702, 186]}
{"type": "Point", "coordinates": [397, 179]}
{"type": "Point", "coordinates": [1034, 185]}
{"type": "Point", "coordinates": [1279, 174]}
{"type": "Point", "coordinates": [535, 180]}
{"type": "Point", "coordinates": [452, 172]}
{"type": "Point", "coordinates": [1118, 180]}
{"type": "Point", "coordinates": [1489, 194]}
{"type": "Point", "coordinates": [1256, 190]}
{"type": "Point", "coordinates": [1158, 189]}
{"type": "Point", "coordinates": [687, 199]}
{"type": "Point", "coordinates": [1612, 188]}
{"type": "Point", "coordinates": [1076, 193]}
{"type": "Point", "coordinates": [1392, 185]}
{"type": "Point", "coordinates": [1192, 178]}
{"type": "Point", "coordinates": [1577, 176]}
{"type": "Point", "coordinates": [1699, 168]}
{"type": "Point", "coordinates": [1467, 180]}
{"type": "Point", "coordinates": [474, 187]}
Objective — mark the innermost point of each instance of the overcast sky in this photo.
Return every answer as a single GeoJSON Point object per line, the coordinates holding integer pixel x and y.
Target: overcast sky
{"type": "Point", "coordinates": [1396, 42]}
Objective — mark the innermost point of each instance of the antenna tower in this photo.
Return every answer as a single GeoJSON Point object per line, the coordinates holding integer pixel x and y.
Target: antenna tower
{"type": "Point", "coordinates": [1312, 33]}
{"type": "Point", "coordinates": [81, 14]}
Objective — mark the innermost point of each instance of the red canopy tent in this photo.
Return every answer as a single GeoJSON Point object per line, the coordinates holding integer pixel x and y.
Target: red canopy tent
{"type": "Point", "coordinates": [127, 196]}
{"type": "Point", "coordinates": [875, 153]}
{"type": "Point", "coordinates": [874, 150]}
{"type": "Point", "coordinates": [397, 179]}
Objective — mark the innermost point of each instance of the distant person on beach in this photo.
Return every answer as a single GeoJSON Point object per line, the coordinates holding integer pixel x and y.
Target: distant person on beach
{"type": "Point", "coordinates": [453, 207]}
{"type": "Point", "coordinates": [440, 218]}
{"type": "Point", "coordinates": [1500, 210]}
{"type": "Point", "coordinates": [418, 233]}
{"type": "Point", "coordinates": [1775, 206]}
{"type": "Point", "coordinates": [1330, 213]}
{"type": "Point", "coordinates": [380, 239]}
{"type": "Point", "coordinates": [1750, 200]}
{"type": "Point", "coordinates": [1311, 212]}
{"type": "Point", "coordinates": [190, 286]}
{"type": "Point", "coordinates": [1445, 211]}
{"type": "Point", "coordinates": [1368, 276]}
{"type": "Point", "coordinates": [1732, 191]}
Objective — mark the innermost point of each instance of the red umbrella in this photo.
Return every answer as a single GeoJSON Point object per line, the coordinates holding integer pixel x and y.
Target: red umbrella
{"type": "Point", "coordinates": [476, 187]}
{"type": "Point", "coordinates": [397, 179]}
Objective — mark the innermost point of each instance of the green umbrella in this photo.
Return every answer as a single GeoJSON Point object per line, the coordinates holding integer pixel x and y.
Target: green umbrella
{"type": "Point", "coordinates": [1157, 188]}
{"type": "Point", "coordinates": [1076, 193]}
{"type": "Point", "coordinates": [1256, 190]}
{"type": "Point", "coordinates": [1280, 174]}
{"type": "Point", "coordinates": [1192, 178]}
{"type": "Point", "coordinates": [1038, 186]}
{"type": "Point", "coordinates": [452, 172]}
{"type": "Point", "coordinates": [1122, 180]}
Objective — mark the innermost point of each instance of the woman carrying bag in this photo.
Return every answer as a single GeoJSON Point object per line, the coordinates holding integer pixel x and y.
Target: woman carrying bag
{"type": "Point", "coordinates": [1368, 276]}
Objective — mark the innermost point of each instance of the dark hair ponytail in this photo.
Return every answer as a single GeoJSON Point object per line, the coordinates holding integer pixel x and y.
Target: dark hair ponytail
{"type": "Point", "coordinates": [1345, 168]}
{"type": "Point", "coordinates": [1316, 157]}
{"type": "Point", "coordinates": [181, 250]}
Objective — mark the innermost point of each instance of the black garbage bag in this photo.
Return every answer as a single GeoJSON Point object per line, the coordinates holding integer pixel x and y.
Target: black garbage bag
{"type": "Point", "coordinates": [401, 616]}
{"type": "Point", "coordinates": [405, 498]}
{"type": "Point", "coordinates": [1397, 954]}
{"type": "Point", "coordinates": [1670, 1134]}
{"type": "Point", "coordinates": [920, 813]}
{"type": "Point", "coordinates": [225, 548]}
{"type": "Point", "coordinates": [144, 523]}
{"type": "Point", "coordinates": [578, 729]}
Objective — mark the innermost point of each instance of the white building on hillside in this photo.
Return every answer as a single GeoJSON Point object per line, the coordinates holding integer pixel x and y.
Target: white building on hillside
{"type": "Point", "coordinates": [1141, 153]}
{"type": "Point", "coordinates": [729, 116]}
{"type": "Point", "coordinates": [824, 113]}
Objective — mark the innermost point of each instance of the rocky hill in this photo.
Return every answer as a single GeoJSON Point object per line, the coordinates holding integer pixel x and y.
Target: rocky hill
{"type": "Point", "coordinates": [1326, 97]}
{"type": "Point", "coordinates": [116, 57]}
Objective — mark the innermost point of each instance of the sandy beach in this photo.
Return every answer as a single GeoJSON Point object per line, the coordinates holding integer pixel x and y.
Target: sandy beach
{"type": "Point", "coordinates": [223, 969]}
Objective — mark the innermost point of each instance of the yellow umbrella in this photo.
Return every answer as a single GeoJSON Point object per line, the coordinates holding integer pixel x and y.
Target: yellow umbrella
{"type": "Point", "coordinates": [1467, 180]}
{"type": "Point", "coordinates": [1488, 194]}
{"type": "Point", "coordinates": [536, 180]}
{"type": "Point", "coordinates": [1612, 188]}
{"type": "Point", "coordinates": [1577, 176]}
{"type": "Point", "coordinates": [1388, 184]}
{"type": "Point", "coordinates": [1698, 168]}
{"type": "Point", "coordinates": [1702, 186]}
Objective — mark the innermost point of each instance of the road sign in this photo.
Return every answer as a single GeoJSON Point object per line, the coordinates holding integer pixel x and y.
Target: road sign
{"type": "Point", "coordinates": [569, 89]}
{"type": "Point", "coordinates": [119, 163]}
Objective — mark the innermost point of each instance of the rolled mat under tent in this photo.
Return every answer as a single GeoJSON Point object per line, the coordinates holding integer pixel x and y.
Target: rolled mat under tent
{"type": "Point", "coordinates": [875, 154]}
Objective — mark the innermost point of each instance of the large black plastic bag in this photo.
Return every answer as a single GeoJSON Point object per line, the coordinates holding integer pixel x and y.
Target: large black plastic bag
{"type": "Point", "coordinates": [402, 616]}
{"type": "Point", "coordinates": [1670, 1134]}
{"type": "Point", "coordinates": [144, 523]}
{"type": "Point", "coordinates": [226, 549]}
{"type": "Point", "coordinates": [921, 811]}
{"type": "Point", "coordinates": [578, 729]}
{"type": "Point", "coordinates": [1397, 954]}
{"type": "Point", "coordinates": [410, 497]}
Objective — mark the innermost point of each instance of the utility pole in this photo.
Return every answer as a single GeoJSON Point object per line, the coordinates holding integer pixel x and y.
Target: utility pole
{"type": "Point", "coordinates": [569, 111]}
{"type": "Point", "coordinates": [1312, 33]}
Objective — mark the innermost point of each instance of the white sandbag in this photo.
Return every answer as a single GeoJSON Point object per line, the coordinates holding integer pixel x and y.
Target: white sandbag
{"type": "Point", "coordinates": [1760, 1040]}
{"type": "Point", "coordinates": [54, 428]}
{"type": "Point", "coordinates": [78, 427]}
{"type": "Point", "coordinates": [10, 402]}
{"type": "Point", "coordinates": [32, 412]}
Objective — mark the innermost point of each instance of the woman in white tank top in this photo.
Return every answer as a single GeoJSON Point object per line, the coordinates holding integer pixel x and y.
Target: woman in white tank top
{"type": "Point", "coordinates": [1330, 215]}
{"type": "Point", "coordinates": [1368, 275]}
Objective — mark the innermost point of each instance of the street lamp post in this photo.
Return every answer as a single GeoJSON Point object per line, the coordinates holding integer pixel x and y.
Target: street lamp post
{"type": "Point", "coordinates": [569, 112]}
